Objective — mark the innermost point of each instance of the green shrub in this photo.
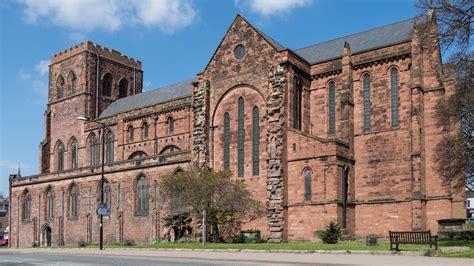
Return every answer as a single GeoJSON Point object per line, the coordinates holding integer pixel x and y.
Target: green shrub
{"type": "Point", "coordinates": [331, 234]}
{"type": "Point", "coordinates": [249, 236]}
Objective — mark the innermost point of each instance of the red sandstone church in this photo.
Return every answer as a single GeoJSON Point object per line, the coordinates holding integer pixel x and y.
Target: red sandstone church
{"type": "Point", "coordinates": [341, 130]}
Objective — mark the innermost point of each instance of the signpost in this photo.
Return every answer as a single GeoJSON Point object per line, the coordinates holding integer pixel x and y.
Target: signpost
{"type": "Point", "coordinates": [103, 210]}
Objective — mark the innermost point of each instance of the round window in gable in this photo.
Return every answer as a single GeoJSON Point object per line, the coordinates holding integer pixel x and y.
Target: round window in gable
{"type": "Point", "coordinates": [239, 51]}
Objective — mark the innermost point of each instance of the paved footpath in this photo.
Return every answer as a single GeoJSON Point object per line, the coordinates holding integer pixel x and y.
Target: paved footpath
{"type": "Point", "coordinates": [186, 257]}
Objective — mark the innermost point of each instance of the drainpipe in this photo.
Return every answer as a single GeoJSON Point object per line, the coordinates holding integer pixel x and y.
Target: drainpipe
{"type": "Point", "coordinates": [134, 81]}
{"type": "Point", "coordinates": [10, 209]}
{"type": "Point", "coordinates": [97, 61]}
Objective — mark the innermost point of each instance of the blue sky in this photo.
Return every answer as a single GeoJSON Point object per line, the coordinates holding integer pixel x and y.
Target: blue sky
{"type": "Point", "coordinates": [174, 39]}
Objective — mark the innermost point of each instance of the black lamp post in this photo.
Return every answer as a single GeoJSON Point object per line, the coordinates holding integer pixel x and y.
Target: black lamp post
{"type": "Point", "coordinates": [102, 179]}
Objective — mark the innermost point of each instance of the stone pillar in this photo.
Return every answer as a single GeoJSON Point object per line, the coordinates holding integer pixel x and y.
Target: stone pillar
{"type": "Point", "coordinates": [275, 148]}
{"type": "Point", "coordinates": [347, 102]}
{"type": "Point", "coordinates": [416, 129]}
{"type": "Point", "coordinates": [201, 124]}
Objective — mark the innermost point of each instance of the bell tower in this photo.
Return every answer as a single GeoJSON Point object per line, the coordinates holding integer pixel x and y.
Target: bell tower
{"type": "Point", "coordinates": [83, 81]}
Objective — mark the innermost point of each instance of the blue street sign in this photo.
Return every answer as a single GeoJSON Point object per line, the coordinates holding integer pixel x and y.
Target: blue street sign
{"type": "Point", "coordinates": [104, 211]}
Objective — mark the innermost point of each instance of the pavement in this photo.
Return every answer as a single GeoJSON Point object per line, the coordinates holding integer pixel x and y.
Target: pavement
{"type": "Point", "coordinates": [186, 257]}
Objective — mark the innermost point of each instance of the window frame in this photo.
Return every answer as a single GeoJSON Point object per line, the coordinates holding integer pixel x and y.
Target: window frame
{"type": "Point", "coordinates": [241, 137]}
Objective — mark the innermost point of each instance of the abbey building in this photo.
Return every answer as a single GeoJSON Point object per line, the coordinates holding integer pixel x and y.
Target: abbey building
{"type": "Point", "coordinates": [342, 130]}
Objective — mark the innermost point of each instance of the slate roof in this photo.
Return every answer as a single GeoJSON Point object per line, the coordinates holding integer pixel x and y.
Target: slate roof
{"type": "Point", "coordinates": [359, 42]}
{"type": "Point", "coordinates": [168, 92]}
{"type": "Point", "coordinates": [272, 41]}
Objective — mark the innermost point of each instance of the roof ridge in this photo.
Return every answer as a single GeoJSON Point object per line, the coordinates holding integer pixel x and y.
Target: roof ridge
{"type": "Point", "coordinates": [372, 29]}
{"type": "Point", "coordinates": [167, 85]}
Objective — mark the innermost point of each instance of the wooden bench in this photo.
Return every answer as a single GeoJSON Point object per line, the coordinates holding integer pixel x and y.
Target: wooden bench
{"type": "Point", "coordinates": [412, 237]}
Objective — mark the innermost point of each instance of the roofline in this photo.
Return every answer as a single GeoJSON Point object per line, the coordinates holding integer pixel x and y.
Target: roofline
{"type": "Point", "coordinates": [361, 52]}
{"type": "Point", "coordinates": [227, 31]}
{"type": "Point", "coordinates": [146, 106]}
{"type": "Point", "coordinates": [386, 25]}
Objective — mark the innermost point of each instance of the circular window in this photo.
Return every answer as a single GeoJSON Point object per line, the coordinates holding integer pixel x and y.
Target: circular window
{"type": "Point", "coordinates": [239, 51]}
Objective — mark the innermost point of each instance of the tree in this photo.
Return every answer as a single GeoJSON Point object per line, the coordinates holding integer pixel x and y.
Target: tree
{"type": "Point", "coordinates": [225, 200]}
{"type": "Point", "coordinates": [454, 155]}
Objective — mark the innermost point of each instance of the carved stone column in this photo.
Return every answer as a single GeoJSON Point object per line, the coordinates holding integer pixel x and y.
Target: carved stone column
{"type": "Point", "coordinates": [201, 124]}
{"type": "Point", "coordinates": [275, 149]}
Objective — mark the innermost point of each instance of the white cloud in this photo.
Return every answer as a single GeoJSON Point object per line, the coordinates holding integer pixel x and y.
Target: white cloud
{"type": "Point", "coordinates": [36, 78]}
{"type": "Point", "coordinates": [110, 15]}
{"type": "Point", "coordinates": [168, 15]}
{"type": "Point", "coordinates": [42, 67]}
{"type": "Point", "coordinates": [273, 7]}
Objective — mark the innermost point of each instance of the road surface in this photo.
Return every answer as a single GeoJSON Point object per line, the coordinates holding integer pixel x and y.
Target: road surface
{"type": "Point", "coordinates": [160, 257]}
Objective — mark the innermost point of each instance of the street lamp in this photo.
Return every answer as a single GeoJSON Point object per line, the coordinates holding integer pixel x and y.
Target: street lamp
{"type": "Point", "coordinates": [101, 225]}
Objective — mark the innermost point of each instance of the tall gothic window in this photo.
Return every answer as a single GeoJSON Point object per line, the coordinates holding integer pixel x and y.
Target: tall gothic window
{"type": "Point", "coordinates": [226, 141]}
{"type": "Point", "coordinates": [170, 123]}
{"type": "Point", "coordinates": [255, 141]}
{"type": "Point", "coordinates": [240, 138]}
{"type": "Point", "coordinates": [93, 149]}
{"type": "Point", "coordinates": [394, 96]}
{"type": "Point", "coordinates": [49, 204]}
{"type": "Point", "coordinates": [142, 195]}
{"type": "Point", "coordinates": [367, 107]}
{"type": "Point", "coordinates": [27, 206]}
{"type": "Point", "coordinates": [74, 201]}
{"type": "Point", "coordinates": [60, 157]}
{"type": "Point", "coordinates": [106, 189]}
{"type": "Point", "coordinates": [145, 130]}
{"type": "Point", "coordinates": [123, 87]}
{"type": "Point", "coordinates": [297, 95]}
{"type": "Point", "coordinates": [307, 184]}
{"type": "Point", "coordinates": [73, 154]}
{"type": "Point", "coordinates": [60, 87]}
{"type": "Point", "coordinates": [109, 147]}
{"type": "Point", "coordinates": [107, 85]}
{"type": "Point", "coordinates": [332, 108]}
{"type": "Point", "coordinates": [131, 134]}
{"type": "Point", "coordinates": [72, 82]}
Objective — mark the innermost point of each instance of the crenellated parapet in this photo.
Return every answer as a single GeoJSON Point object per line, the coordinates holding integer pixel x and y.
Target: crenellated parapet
{"type": "Point", "coordinates": [98, 49]}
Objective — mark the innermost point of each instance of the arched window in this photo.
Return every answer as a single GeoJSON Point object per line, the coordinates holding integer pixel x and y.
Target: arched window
{"type": "Point", "coordinates": [93, 149]}
{"type": "Point", "coordinates": [106, 189]}
{"type": "Point", "coordinates": [226, 141]}
{"type": "Point", "coordinates": [332, 108]}
{"type": "Point", "coordinates": [131, 134]}
{"type": "Point", "coordinates": [170, 123]}
{"type": "Point", "coordinates": [137, 154]}
{"type": "Point", "coordinates": [107, 85]}
{"type": "Point", "coordinates": [26, 206]}
{"type": "Point", "coordinates": [178, 201]}
{"type": "Point", "coordinates": [109, 147]}
{"type": "Point", "coordinates": [394, 96]}
{"type": "Point", "coordinates": [307, 184]}
{"type": "Point", "coordinates": [72, 82]}
{"type": "Point", "coordinates": [49, 204]}
{"type": "Point", "coordinates": [60, 87]}
{"type": "Point", "coordinates": [145, 131]}
{"type": "Point", "coordinates": [123, 88]}
{"type": "Point", "coordinates": [60, 153]}
{"type": "Point", "coordinates": [255, 141]}
{"type": "Point", "coordinates": [142, 195]}
{"type": "Point", "coordinates": [297, 96]}
{"type": "Point", "coordinates": [240, 138]}
{"type": "Point", "coordinates": [73, 154]}
{"type": "Point", "coordinates": [74, 201]}
{"type": "Point", "coordinates": [366, 94]}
